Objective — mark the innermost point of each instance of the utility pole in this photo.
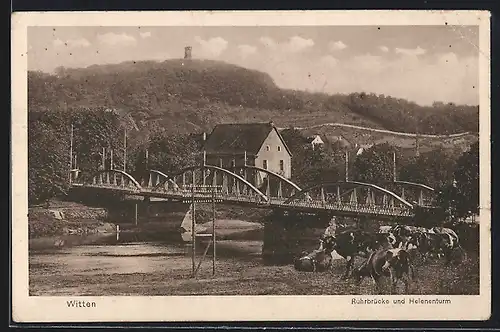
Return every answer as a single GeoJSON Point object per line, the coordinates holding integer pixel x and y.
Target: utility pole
{"type": "Point", "coordinates": [103, 158]}
{"type": "Point", "coordinates": [417, 143]}
{"type": "Point", "coordinates": [346, 165]}
{"type": "Point", "coordinates": [213, 230]}
{"type": "Point", "coordinates": [193, 231]}
{"type": "Point", "coordinates": [394, 176]}
{"type": "Point", "coordinates": [125, 150]}
{"type": "Point", "coordinates": [71, 154]}
{"type": "Point", "coordinates": [111, 159]}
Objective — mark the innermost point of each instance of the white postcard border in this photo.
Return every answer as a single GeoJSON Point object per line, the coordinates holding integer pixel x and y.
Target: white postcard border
{"type": "Point", "coordinates": [27, 308]}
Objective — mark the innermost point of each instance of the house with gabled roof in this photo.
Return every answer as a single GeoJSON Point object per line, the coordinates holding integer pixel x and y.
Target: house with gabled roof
{"type": "Point", "coordinates": [255, 144]}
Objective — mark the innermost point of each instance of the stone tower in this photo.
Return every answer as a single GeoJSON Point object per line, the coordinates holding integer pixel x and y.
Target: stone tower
{"type": "Point", "coordinates": [187, 52]}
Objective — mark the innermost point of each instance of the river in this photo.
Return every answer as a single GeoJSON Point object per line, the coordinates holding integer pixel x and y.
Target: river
{"type": "Point", "coordinates": [63, 270]}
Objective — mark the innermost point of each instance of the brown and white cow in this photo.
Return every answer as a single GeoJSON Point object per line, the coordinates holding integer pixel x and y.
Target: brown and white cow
{"type": "Point", "coordinates": [319, 260]}
{"type": "Point", "coordinates": [394, 263]}
{"type": "Point", "coordinates": [354, 243]}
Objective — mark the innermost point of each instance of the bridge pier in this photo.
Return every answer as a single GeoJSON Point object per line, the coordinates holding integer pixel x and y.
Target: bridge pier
{"type": "Point", "coordinates": [288, 234]}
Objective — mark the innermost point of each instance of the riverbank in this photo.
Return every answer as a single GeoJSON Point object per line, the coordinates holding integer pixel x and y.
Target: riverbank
{"type": "Point", "coordinates": [153, 269]}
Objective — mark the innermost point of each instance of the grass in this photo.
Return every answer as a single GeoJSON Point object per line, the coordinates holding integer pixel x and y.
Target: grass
{"type": "Point", "coordinates": [240, 271]}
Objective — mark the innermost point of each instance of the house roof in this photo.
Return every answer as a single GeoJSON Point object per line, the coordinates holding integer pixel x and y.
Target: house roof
{"type": "Point", "coordinates": [236, 138]}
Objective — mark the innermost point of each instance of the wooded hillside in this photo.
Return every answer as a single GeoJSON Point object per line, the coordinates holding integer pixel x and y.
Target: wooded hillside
{"type": "Point", "coordinates": [188, 96]}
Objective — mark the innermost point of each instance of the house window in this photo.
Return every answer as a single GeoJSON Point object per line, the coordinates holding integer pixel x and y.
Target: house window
{"type": "Point", "coordinates": [282, 165]}
{"type": "Point", "coordinates": [264, 164]}
{"type": "Point", "coordinates": [279, 148]}
{"type": "Point", "coordinates": [268, 148]}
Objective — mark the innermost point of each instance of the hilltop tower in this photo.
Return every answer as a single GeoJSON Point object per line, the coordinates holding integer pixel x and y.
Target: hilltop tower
{"type": "Point", "coordinates": [187, 52]}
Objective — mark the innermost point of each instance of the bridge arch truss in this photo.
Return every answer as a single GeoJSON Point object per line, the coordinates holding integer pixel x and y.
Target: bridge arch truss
{"type": "Point", "coordinates": [352, 197]}
{"type": "Point", "coordinates": [203, 179]}
{"type": "Point", "coordinates": [417, 193]}
{"type": "Point", "coordinates": [274, 185]}
{"type": "Point", "coordinates": [108, 179]}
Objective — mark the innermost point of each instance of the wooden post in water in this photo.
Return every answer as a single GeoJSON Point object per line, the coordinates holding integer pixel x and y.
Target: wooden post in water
{"type": "Point", "coordinates": [213, 230]}
{"type": "Point", "coordinates": [193, 232]}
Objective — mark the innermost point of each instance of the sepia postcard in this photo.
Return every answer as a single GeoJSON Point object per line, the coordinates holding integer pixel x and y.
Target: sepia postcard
{"type": "Point", "coordinates": [250, 166]}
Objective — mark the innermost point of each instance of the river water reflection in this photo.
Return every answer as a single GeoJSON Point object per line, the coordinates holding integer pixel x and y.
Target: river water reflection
{"type": "Point", "coordinates": [131, 253]}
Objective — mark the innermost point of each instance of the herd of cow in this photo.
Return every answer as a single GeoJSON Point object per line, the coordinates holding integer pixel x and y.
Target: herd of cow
{"type": "Point", "coordinates": [388, 252]}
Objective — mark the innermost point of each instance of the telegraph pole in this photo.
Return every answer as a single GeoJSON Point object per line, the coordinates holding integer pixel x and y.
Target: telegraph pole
{"type": "Point", "coordinates": [111, 159]}
{"type": "Point", "coordinates": [213, 230]}
{"type": "Point", "coordinates": [125, 150]}
{"type": "Point", "coordinates": [346, 165]}
{"type": "Point", "coordinates": [71, 154]}
{"type": "Point", "coordinates": [417, 143]}
{"type": "Point", "coordinates": [103, 158]}
{"type": "Point", "coordinates": [394, 176]}
{"type": "Point", "coordinates": [193, 232]}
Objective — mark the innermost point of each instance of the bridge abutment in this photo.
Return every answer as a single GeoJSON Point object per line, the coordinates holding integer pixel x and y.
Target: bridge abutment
{"type": "Point", "coordinates": [288, 234]}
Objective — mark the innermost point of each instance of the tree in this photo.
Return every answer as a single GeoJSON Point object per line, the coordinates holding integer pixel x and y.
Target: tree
{"type": "Point", "coordinates": [461, 198]}
{"type": "Point", "coordinates": [375, 165]}
{"type": "Point", "coordinates": [48, 157]}
{"type": "Point", "coordinates": [467, 177]}
{"type": "Point", "coordinates": [434, 168]}
{"type": "Point", "coordinates": [95, 129]}
{"type": "Point", "coordinates": [169, 153]}
{"type": "Point", "coordinates": [311, 166]}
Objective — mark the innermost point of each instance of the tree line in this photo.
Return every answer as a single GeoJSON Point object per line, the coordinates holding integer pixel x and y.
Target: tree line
{"type": "Point", "coordinates": [98, 131]}
{"type": "Point", "coordinates": [201, 93]}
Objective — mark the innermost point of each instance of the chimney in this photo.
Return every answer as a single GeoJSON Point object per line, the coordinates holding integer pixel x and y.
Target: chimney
{"type": "Point", "coordinates": [187, 52]}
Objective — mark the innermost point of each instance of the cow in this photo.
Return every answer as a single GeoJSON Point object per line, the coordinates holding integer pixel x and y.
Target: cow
{"type": "Point", "coordinates": [437, 241]}
{"type": "Point", "coordinates": [451, 241]}
{"type": "Point", "coordinates": [352, 243]}
{"type": "Point", "coordinates": [316, 261]}
{"type": "Point", "coordinates": [428, 244]}
{"type": "Point", "coordinates": [388, 231]}
{"type": "Point", "coordinates": [393, 262]}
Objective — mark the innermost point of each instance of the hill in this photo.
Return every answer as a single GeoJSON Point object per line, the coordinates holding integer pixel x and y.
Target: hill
{"type": "Point", "coordinates": [357, 137]}
{"type": "Point", "coordinates": [193, 95]}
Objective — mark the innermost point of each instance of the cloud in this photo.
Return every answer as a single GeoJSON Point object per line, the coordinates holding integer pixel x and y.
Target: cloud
{"type": "Point", "coordinates": [410, 51]}
{"type": "Point", "coordinates": [114, 39]}
{"type": "Point", "coordinates": [246, 50]}
{"type": "Point", "coordinates": [446, 76]}
{"type": "Point", "coordinates": [268, 42]}
{"type": "Point", "coordinates": [146, 34]}
{"type": "Point", "coordinates": [337, 46]}
{"type": "Point", "coordinates": [298, 44]}
{"type": "Point", "coordinates": [79, 42]}
{"type": "Point", "coordinates": [448, 59]}
{"type": "Point", "coordinates": [212, 47]}
{"type": "Point", "coordinates": [329, 60]}
{"type": "Point", "coordinates": [367, 64]}
{"type": "Point", "coordinates": [384, 49]}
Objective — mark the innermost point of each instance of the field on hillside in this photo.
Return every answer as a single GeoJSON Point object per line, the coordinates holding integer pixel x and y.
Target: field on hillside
{"type": "Point", "coordinates": [365, 137]}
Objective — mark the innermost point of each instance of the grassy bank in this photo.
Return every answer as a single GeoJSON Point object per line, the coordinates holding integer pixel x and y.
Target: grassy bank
{"type": "Point", "coordinates": [239, 271]}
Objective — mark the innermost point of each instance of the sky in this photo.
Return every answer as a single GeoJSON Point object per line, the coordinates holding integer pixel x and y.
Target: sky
{"type": "Point", "coordinates": [423, 64]}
